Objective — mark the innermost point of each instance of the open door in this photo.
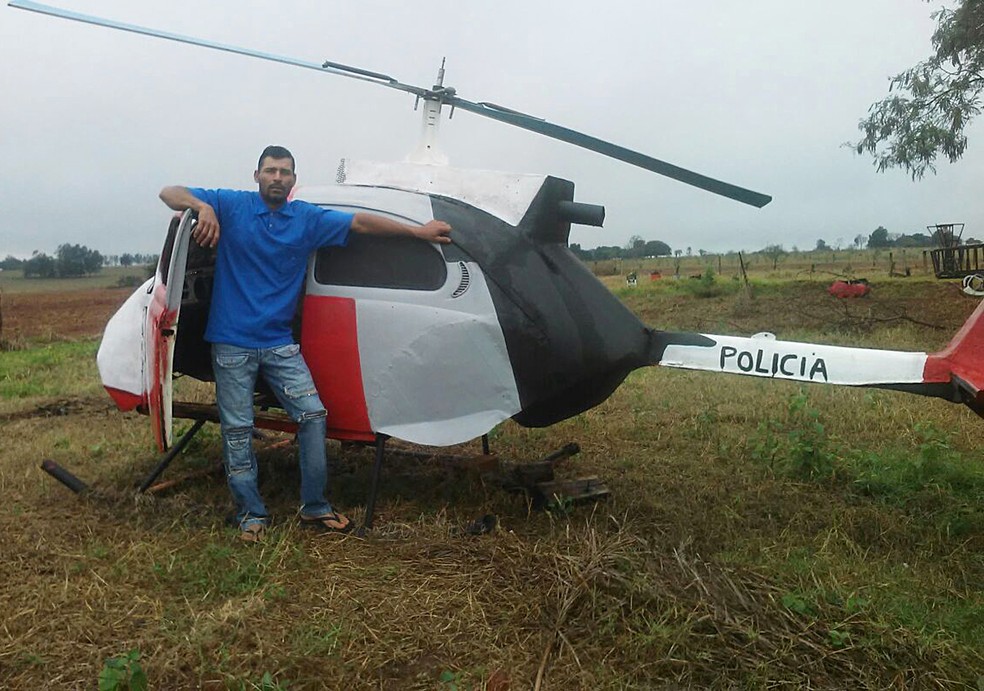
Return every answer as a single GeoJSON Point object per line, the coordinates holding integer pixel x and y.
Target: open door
{"type": "Point", "coordinates": [161, 327]}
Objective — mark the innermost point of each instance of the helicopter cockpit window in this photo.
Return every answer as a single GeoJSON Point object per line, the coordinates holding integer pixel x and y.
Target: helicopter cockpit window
{"type": "Point", "coordinates": [382, 262]}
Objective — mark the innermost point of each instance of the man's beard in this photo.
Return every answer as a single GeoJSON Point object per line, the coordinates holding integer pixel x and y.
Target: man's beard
{"type": "Point", "coordinates": [274, 195]}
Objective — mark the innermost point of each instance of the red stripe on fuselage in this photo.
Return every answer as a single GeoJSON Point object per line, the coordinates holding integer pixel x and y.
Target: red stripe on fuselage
{"type": "Point", "coordinates": [330, 344]}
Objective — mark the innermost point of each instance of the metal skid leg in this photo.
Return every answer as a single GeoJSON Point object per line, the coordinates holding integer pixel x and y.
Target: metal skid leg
{"type": "Point", "coordinates": [169, 456]}
{"type": "Point", "coordinates": [374, 483]}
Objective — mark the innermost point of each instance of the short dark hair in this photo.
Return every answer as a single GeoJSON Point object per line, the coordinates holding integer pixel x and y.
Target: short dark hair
{"type": "Point", "coordinates": [274, 151]}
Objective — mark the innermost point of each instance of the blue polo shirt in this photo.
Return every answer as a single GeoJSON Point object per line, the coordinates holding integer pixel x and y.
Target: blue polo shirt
{"type": "Point", "coordinates": [260, 264]}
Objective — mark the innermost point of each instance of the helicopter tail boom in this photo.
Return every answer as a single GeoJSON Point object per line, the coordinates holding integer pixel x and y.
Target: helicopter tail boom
{"type": "Point", "coordinates": [955, 373]}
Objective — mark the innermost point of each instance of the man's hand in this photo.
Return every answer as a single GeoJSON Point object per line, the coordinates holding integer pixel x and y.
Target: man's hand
{"type": "Point", "coordinates": [206, 232]}
{"type": "Point", "coordinates": [434, 231]}
{"type": "Point", "coordinates": [373, 224]}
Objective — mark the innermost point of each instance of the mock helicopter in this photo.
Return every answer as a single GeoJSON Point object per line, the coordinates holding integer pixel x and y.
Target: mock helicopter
{"type": "Point", "coordinates": [438, 344]}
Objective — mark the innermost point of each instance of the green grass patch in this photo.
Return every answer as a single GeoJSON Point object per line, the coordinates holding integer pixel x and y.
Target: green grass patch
{"type": "Point", "coordinates": [54, 369]}
{"type": "Point", "coordinates": [222, 567]}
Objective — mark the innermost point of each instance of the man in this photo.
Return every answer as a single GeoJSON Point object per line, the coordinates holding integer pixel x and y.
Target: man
{"type": "Point", "coordinates": [259, 270]}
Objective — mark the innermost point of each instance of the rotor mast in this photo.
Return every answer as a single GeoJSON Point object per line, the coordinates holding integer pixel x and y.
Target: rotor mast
{"type": "Point", "coordinates": [427, 151]}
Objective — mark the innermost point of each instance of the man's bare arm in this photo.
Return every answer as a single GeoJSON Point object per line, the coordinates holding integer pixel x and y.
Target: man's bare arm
{"type": "Point", "coordinates": [371, 224]}
{"type": "Point", "coordinates": [206, 232]}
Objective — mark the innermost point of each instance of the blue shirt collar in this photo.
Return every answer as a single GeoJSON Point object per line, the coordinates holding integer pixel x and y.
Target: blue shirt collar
{"type": "Point", "coordinates": [260, 208]}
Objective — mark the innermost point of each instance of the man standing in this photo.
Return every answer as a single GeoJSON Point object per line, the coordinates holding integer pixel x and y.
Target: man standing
{"type": "Point", "coordinates": [259, 271]}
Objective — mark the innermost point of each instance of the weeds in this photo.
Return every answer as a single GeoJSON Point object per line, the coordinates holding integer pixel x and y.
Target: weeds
{"type": "Point", "coordinates": [937, 482]}
{"type": "Point", "coordinates": [796, 445]}
{"type": "Point", "coordinates": [123, 674]}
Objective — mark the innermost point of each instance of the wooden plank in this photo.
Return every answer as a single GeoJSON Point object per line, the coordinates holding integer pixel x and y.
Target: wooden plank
{"type": "Point", "coordinates": [578, 490]}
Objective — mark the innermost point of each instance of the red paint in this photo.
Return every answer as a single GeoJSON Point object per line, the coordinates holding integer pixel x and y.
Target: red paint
{"type": "Point", "coordinates": [125, 400]}
{"type": "Point", "coordinates": [963, 358]}
{"type": "Point", "coordinates": [158, 363]}
{"type": "Point", "coordinates": [330, 344]}
{"type": "Point", "coordinates": [849, 289]}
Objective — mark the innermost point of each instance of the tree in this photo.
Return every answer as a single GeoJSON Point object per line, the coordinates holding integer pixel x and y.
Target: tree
{"type": "Point", "coordinates": [636, 247]}
{"type": "Point", "coordinates": [914, 240]}
{"type": "Point", "coordinates": [878, 238]}
{"type": "Point", "coordinates": [11, 262]}
{"type": "Point", "coordinates": [859, 241]}
{"type": "Point", "coordinates": [40, 265]}
{"type": "Point", "coordinates": [775, 253]}
{"type": "Point", "coordinates": [77, 260]}
{"type": "Point", "coordinates": [821, 245]}
{"type": "Point", "coordinates": [933, 101]}
{"type": "Point", "coordinates": [657, 248]}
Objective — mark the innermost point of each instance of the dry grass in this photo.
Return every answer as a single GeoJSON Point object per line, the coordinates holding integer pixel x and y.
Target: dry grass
{"type": "Point", "coordinates": [708, 568]}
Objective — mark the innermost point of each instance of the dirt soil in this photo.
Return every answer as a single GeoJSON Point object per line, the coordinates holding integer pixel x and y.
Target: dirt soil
{"type": "Point", "coordinates": [58, 316]}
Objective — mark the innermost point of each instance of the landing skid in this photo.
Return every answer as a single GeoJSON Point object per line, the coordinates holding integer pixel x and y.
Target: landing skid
{"type": "Point", "coordinates": [534, 479]}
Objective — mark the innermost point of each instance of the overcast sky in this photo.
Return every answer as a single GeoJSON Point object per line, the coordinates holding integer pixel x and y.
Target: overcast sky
{"type": "Point", "coordinates": [760, 93]}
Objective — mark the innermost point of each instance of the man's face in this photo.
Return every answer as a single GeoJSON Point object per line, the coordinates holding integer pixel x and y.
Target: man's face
{"type": "Point", "coordinates": [276, 179]}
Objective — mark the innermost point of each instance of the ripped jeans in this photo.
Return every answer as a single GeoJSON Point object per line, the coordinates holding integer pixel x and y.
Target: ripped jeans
{"type": "Point", "coordinates": [285, 371]}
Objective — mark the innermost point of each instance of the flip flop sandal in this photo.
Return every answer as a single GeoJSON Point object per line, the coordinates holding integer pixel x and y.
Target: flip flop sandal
{"type": "Point", "coordinates": [333, 522]}
{"type": "Point", "coordinates": [254, 532]}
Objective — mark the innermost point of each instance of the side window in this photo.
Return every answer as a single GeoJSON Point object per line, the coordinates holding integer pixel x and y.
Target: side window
{"type": "Point", "coordinates": [382, 262]}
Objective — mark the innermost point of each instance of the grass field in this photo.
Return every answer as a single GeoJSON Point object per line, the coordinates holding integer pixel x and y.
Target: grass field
{"type": "Point", "coordinates": [109, 277]}
{"type": "Point", "coordinates": [802, 265]}
{"type": "Point", "coordinates": [760, 534]}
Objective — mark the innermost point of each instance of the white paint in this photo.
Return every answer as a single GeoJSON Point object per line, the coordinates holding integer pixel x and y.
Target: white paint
{"type": "Point", "coordinates": [402, 333]}
{"type": "Point", "coordinates": [397, 204]}
{"type": "Point", "coordinates": [427, 151]}
{"type": "Point", "coordinates": [407, 397]}
{"type": "Point", "coordinates": [799, 361]}
{"type": "Point", "coordinates": [504, 195]}
{"type": "Point", "coordinates": [120, 357]}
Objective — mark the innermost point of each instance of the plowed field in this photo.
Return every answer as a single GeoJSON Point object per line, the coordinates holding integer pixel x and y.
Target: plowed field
{"type": "Point", "coordinates": [61, 315]}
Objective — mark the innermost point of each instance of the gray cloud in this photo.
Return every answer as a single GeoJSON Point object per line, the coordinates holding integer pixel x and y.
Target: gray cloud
{"type": "Point", "coordinates": [762, 94]}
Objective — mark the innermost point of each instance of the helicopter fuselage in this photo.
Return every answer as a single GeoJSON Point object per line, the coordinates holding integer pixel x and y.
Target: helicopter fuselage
{"type": "Point", "coordinates": [431, 344]}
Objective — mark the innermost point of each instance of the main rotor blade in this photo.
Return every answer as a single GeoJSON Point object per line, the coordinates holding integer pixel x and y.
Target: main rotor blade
{"type": "Point", "coordinates": [326, 67]}
{"type": "Point", "coordinates": [489, 110]}
{"type": "Point", "coordinates": [564, 134]}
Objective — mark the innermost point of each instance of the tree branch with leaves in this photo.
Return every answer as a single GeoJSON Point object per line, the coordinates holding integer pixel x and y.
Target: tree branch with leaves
{"type": "Point", "coordinates": [931, 103]}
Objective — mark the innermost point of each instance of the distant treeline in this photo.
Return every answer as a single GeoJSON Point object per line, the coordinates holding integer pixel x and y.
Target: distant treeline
{"type": "Point", "coordinates": [880, 238]}
{"type": "Point", "coordinates": [71, 261]}
{"type": "Point", "coordinates": [637, 248]}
